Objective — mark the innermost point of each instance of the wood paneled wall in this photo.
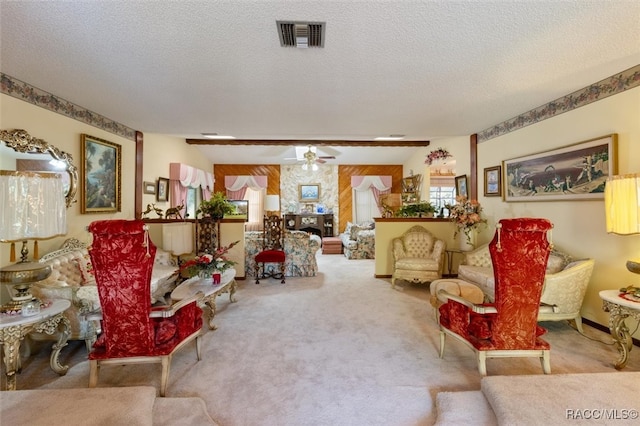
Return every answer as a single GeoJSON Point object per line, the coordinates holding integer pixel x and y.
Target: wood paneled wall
{"type": "Point", "coordinates": [344, 185]}
{"type": "Point", "coordinates": [344, 180]}
{"type": "Point", "coordinates": [271, 171]}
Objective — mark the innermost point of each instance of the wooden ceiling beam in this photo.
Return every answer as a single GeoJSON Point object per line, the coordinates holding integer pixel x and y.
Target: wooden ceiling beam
{"type": "Point", "coordinates": [299, 142]}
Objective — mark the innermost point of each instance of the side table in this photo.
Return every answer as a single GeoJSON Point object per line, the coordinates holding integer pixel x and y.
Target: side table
{"type": "Point", "coordinates": [13, 329]}
{"type": "Point", "coordinates": [619, 309]}
{"type": "Point", "coordinates": [196, 284]}
{"type": "Point", "coordinates": [450, 252]}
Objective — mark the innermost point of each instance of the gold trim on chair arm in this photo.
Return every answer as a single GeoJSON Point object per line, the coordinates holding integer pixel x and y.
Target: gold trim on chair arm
{"type": "Point", "coordinates": [171, 310]}
{"type": "Point", "coordinates": [445, 296]}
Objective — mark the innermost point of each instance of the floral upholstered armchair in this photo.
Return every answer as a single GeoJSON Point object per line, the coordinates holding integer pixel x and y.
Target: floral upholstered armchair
{"type": "Point", "coordinates": [418, 256]}
{"type": "Point", "coordinates": [359, 241]}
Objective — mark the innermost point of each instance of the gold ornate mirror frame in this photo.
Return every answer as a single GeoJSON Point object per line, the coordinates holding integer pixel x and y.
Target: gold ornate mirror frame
{"type": "Point", "coordinates": [20, 141]}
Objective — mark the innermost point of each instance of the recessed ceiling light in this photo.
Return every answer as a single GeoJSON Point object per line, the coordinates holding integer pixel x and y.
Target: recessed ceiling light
{"type": "Point", "coordinates": [390, 138]}
{"type": "Point", "coordinates": [216, 136]}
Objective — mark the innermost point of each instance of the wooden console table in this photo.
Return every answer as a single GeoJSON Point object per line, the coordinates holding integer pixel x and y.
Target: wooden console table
{"type": "Point", "coordinates": [321, 223]}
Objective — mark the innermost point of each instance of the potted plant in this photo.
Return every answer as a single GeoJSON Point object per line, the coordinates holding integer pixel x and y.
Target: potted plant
{"type": "Point", "coordinates": [416, 210]}
{"type": "Point", "coordinates": [216, 207]}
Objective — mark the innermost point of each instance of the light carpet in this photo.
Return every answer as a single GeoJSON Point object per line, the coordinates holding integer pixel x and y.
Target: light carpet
{"type": "Point", "coordinates": [341, 348]}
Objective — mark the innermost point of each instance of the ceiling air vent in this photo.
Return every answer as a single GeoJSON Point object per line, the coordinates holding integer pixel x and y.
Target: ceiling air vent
{"type": "Point", "coordinates": [301, 34]}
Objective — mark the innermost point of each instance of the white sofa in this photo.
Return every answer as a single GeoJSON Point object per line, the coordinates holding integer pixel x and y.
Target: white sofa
{"type": "Point", "coordinates": [72, 279]}
{"type": "Point", "coordinates": [565, 283]}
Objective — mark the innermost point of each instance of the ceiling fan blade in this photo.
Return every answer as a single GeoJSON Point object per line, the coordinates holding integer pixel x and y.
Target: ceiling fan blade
{"type": "Point", "coordinates": [320, 161]}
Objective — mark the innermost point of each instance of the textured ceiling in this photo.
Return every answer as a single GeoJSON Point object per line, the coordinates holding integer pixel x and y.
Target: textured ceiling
{"type": "Point", "coordinates": [425, 69]}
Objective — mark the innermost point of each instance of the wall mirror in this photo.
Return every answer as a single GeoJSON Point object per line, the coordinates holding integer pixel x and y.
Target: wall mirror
{"type": "Point", "coordinates": [22, 152]}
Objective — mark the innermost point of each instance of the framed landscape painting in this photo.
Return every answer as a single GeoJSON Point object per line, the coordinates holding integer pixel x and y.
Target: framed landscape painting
{"type": "Point", "coordinates": [101, 173]}
{"type": "Point", "coordinates": [461, 186]}
{"type": "Point", "coordinates": [309, 192]}
{"type": "Point", "coordinates": [575, 172]}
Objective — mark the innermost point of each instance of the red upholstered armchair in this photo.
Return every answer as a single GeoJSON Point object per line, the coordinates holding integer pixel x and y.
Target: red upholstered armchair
{"type": "Point", "coordinates": [132, 331]}
{"type": "Point", "coordinates": [272, 250]}
{"type": "Point", "coordinates": [508, 327]}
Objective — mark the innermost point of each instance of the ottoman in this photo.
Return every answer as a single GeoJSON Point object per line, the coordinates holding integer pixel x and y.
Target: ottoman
{"type": "Point", "coordinates": [331, 245]}
{"type": "Point", "coordinates": [457, 287]}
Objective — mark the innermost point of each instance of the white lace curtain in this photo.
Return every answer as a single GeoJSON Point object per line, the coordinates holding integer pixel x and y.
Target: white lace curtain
{"type": "Point", "coordinates": [183, 177]}
{"type": "Point", "coordinates": [379, 185]}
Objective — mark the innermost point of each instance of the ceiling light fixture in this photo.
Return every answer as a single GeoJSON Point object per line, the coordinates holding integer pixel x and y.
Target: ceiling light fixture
{"type": "Point", "coordinates": [389, 138]}
{"type": "Point", "coordinates": [217, 136]}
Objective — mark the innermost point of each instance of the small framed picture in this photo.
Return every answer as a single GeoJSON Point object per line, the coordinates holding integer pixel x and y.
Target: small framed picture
{"type": "Point", "coordinates": [149, 188]}
{"type": "Point", "coordinates": [461, 186]}
{"type": "Point", "coordinates": [163, 190]}
{"type": "Point", "coordinates": [492, 181]}
{"type": "Point", "coordinates": [309, 192]}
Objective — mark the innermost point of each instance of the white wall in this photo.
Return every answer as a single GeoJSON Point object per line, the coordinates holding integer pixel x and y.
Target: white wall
{"type": "Point", "coordinates": [579, 226]}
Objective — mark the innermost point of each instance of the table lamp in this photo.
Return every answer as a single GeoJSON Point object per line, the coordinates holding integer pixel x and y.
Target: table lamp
{"type": "Point", "coordinates": [32, 208]}
{"type": "Point", "coordinates": [622, 208]}
{"type": "Point", "coordinates": [177, 238]}
{"type": "Point", "coordinates": [272, 204]}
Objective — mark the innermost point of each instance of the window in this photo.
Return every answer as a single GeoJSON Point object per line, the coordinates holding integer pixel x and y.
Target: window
{"type": "Point", "coordinates": [364, 206]}
{"type": "Point", "coordinates": [256, 209]}
{"type": "Point", "coordinates": [441, 195]}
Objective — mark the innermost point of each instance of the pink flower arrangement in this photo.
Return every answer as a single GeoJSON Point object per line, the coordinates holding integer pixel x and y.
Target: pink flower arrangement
{"type": "Point", "coordinates": [438, 154]}
{"type": "Point", "coordinates": [466, 215]}
{"type": "Point", "coordinates": [206, 264]}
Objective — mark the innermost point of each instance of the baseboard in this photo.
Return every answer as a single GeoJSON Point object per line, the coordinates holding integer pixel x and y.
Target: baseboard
{"type": "Point", "coordinates": [382, 276]}
{"type": "Point", "coordinates": [601, 327]}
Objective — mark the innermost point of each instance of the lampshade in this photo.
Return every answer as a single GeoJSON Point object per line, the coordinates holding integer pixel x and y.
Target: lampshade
{"type": "Point", "coordinates": [622, 209]}
{"type": "Point", "coordinates": [272, 203]}
{"type": "Point", "coordinates": [33, 206]}
{"type": "Point", "coordinates": [177, 238]}
{"type": "Point", "coordinates": [622, 204]}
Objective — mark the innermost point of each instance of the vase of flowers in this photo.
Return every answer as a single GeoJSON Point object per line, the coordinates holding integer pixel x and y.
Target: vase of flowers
{"type": "Point", "coordinates": [466, 215]}
{"type": "Point", "coordinates": [207, 265]}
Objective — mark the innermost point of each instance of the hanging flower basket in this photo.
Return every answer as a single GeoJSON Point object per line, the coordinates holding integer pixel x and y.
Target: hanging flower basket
{"type": "Point", "coordinates": [437, 155]}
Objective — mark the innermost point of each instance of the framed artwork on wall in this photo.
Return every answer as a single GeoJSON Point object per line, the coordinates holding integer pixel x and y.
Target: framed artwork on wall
{"type": "Point", "coordinates": [461, 186]}
{"type": "Point", "coordinates": [101, 174]}
{"type": "Point", "coordinates": [242, 210]}
{"type": "Point", "coordinates": [149, 188]}
{"type": "Point", "coordinates": [309, 192]}
{"type": "Point", "coordinates": [492, 182]}
{"type": "Point", "coordinates": [574, 172]}
{"type": "Point", "coordinates": [163, 190]}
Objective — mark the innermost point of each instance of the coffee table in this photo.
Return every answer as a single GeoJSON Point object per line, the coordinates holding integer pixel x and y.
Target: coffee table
{"type": "Point", "coordinates": [13, 328]}
{"type": "Point", "coordinates": [196, 284]}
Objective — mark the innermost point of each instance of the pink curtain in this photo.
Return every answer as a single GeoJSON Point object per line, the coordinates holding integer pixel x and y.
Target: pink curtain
{"type": "Point", "coordinates": [236, 186]}
{"type": "Point", "coordinates": [379, 185]}
{"type": "Point", "coordinates": [183, 177]}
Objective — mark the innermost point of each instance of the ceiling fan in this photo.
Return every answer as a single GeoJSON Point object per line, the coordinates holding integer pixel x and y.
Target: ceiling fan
{"type": "Point", "coordinates": [310, 158]}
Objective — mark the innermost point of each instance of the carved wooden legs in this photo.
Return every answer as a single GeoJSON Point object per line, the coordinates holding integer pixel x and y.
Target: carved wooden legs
{"type": "Point", "coordinates": [210, 301]}
{"type": "Point", "coordinates": [619, 330]}
{"type": "Point", "coordinates": [12, 336]}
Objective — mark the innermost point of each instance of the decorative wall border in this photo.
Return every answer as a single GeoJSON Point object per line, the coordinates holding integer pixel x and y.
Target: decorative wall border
{"type": "Point", "coordinates": [28, 93]}
{"type": "Point", "coordinates": [610, 86]}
